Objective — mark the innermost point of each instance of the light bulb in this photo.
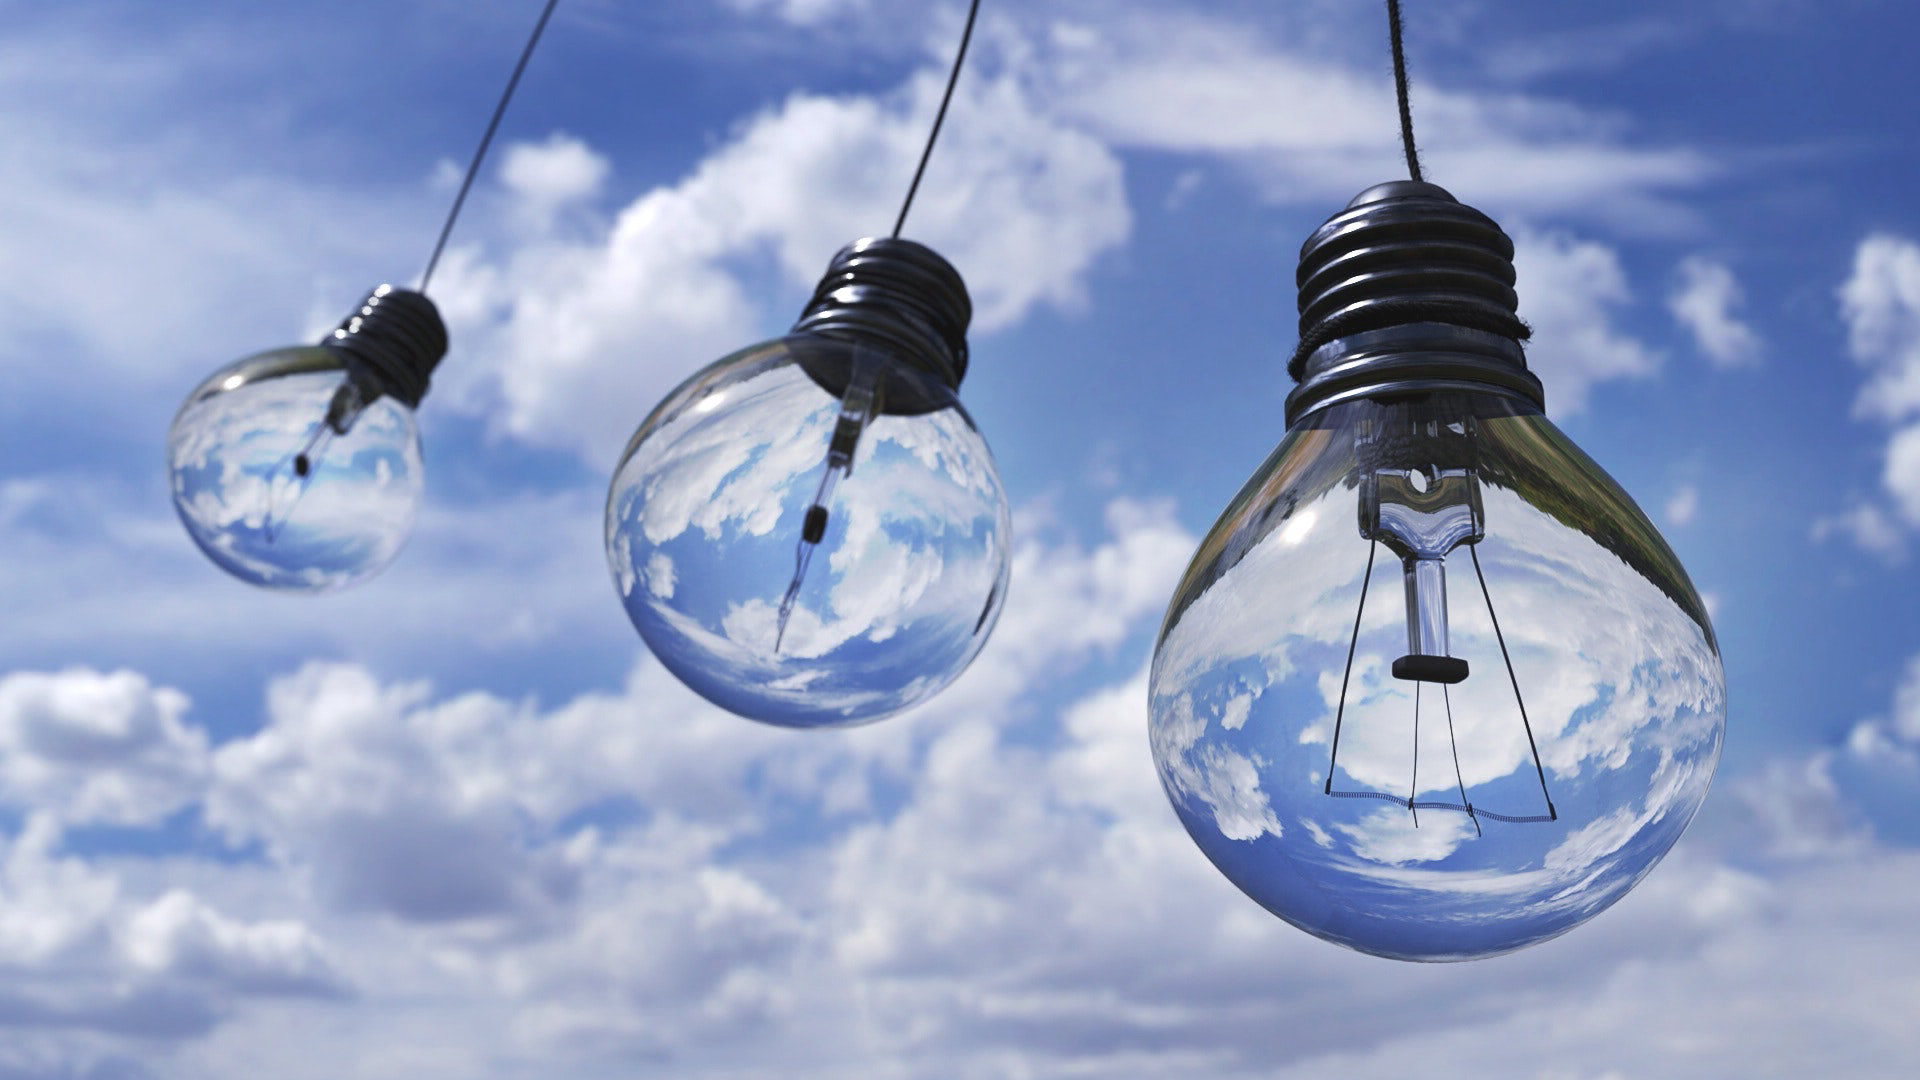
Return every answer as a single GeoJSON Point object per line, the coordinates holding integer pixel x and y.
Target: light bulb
{"type": "Point", "coordinates": [811, 532]}
{"type": "Point", "coordinates": [1433, 688]}
{"type": "Point", "coordinates": [299, 468]}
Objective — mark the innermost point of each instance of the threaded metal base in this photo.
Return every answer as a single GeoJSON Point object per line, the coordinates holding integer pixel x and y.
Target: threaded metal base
{"type": "Point", "coordinates": [1407, 291]}
{"type": "Point", "coordinates": [392, 343]}
{"type": "Point", "coordinates": [898, 295]}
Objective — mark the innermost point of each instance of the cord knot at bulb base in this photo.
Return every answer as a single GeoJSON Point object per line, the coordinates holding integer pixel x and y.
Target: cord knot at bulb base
{"type": "Point", "coordinates": [392, 342]}
{"type": "Point", "coordinates": [1407, 291]}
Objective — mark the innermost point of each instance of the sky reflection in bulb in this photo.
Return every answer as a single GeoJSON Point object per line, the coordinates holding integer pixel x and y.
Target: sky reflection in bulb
{"type": "Point", "coordinates": [231, 455]}
{"type": "Point", "coordinates": [1621, 677]}
{"type": "Point", "coordinates": [705, 512]}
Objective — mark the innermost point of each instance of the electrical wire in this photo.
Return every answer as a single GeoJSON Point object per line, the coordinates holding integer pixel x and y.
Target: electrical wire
{"type": "Point", "coordinates": [940, 117]}
{"type": "Point", "coordinates": [480, 154]}
{"type": "Point", "coordinates": [1394, 32]}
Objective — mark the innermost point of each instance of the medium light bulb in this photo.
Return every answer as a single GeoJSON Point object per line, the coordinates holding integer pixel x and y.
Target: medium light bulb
{"type": "Point", "coordinates": [299, 468]}
{"type": "Point", "coordinates": [811, 532]}
{"type": "Point", "coordinates": [1433, 688]}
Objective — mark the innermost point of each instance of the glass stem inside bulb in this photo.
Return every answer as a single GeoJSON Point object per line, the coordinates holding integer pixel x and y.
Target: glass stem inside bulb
{"type": "Point", "coordinates": [1421, 514]}
{"type": "Point", "coordinates": [293, 475]}
{"type": "Point", "coordinates": [857, 408]}
{"type": "Point", "coordinates": [1426, 581]}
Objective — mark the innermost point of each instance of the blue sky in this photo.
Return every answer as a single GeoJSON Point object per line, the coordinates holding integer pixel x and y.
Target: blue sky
{"type": "Point", "coordinates": [457, 823]}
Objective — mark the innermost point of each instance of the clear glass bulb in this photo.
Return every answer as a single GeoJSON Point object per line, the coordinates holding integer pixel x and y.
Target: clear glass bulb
{"type": "Point", "coordinates": [806, 556]}
{"type": "Point", "coordinates": [1434, 688]}
{"type": "Point", "coordinates": [288, 477]}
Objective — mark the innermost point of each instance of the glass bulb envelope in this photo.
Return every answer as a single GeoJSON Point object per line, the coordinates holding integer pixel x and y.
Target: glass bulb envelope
{"type": "Point", "coordinates": [288, 477]}
{"type": "Point", "coordinates": [1434, 688]}
{"type": "Point", "coordinates": [810, 532]}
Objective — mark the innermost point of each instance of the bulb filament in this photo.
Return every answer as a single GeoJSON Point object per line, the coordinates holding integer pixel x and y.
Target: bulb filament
{"type": "Point", "coordinates": [857, 407]}
{"type": "Point", "coordinates": [1422, 513]}
{"type": "Point", "coordinates": [283, 491]}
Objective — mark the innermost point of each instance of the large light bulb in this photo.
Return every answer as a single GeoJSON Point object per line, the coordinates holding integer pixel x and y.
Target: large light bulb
{"type": "Point", "coordinates": [299, 468]}
{"type": "Point", "coordinates": [811, 532]}
{"type": "Point", "coordinates": [1433, 688]}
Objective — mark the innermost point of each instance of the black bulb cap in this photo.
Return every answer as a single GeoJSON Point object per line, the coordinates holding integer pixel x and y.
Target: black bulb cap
{"type": "Point", "coordinates": [1407, 291]}
{"type": "Point", "coordinates": [898, 295]}
{"type": "Point", "coordinates": [392, 343]}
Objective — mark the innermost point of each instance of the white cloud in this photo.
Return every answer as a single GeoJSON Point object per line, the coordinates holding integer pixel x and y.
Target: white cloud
{"type": "Point", "coordinates": [801, 12]}
{"type": "Point", "coordinates": [1867, 525]}
{"type": "Point", "coordinates": [1796, 810]}
{"type": "Point", "coordinates": [409, 812]}
{"type": "Point", "coordinates": [1683, 505]}
{"type": "Point", "coordinates": [741, 899]}
{"type": "Point", "coordinates": [178, 933]}
{"type": "Point", "coordinates": [146, 249]}
{"type": "Point", "coordinates": [1902, 474]}
{"type": "Point", "coordinates": [547, 177]}
{"type": "Point", "coordinates": [1310, 128]}
{"type": "Point", "coordinates": [1571, 291]}
{"type": "Point", "coordinates": [93, 747]}
{"type": "Point", "coordinates": [575, 340]}
{"type": "Point", "coordinates": [1880, 302]}
{"type": "Point", "coordinates": [93, 965]}
{"type": "Point", "coordinates": [1703, 300]}
{"type": "Point", "coordinates": [1895, 737]}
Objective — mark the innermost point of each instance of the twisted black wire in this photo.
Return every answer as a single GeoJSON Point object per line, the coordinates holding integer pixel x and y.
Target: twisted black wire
{"type": "Point", "coordinates": [1400, 90]}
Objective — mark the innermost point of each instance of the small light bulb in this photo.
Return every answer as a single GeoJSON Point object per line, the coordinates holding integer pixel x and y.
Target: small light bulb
{"type": "Point", "coordinates": [1490, 746]}
{"type": "Point", "coordinates": [811, 532]}
{"type": "Point", "coordinates": [299, 468]}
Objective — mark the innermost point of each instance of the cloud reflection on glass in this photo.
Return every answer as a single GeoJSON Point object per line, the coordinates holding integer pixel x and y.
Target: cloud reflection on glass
{"type": "Point", "coordinates": [1446, 825]}
{"type": "Point", "coordinates": [277, 498]}
{"type": "Point", "coordinates": [900, 587]}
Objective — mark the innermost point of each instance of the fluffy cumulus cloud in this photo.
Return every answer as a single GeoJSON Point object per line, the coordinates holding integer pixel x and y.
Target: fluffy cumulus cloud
{"type": "Point", "coordinates": [548, 176]}
{"type": "Point", "coordinates": [470, 885]}
{"type": "Point", "coordinates": [1572, 291]}
{"type": "Point", "coordinates": [97, 748]}
{"type": "Point", "coordinates": [1704, 298]}
{"type": "Point", "coordinates": [577, 336]}
{"type": "Point", "coordinates": [101, 972]}
{"type": "Point", "coordinates": [1880, 303]}
{"type": "Point", "coordinates": [1307, 127]}
{"type": "Point", "coordinates": [1894, 737]}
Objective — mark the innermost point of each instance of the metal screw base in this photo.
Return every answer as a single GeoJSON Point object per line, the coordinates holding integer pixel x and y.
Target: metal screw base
{"type": "Point", "coordinates": [1407, 291]}
{"type": "Point", "coordinates": [392, 343]}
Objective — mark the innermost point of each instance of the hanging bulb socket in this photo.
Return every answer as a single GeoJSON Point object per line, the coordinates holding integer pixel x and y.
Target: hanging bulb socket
{"type": "Point", "coordinates": [898, 296]}
{"type": "Point", "coordinates": [392, 342]}
{"type": "Point", "coordinates": [1407, 291]}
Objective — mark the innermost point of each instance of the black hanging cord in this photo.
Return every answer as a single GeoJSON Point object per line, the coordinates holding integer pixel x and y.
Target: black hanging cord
{"type": "Point", "coordinates": [1400, 90]}
{"type": "Point", "coordinates": [486, 140]}
{"type": "Point", "coordinates": [938, 118]}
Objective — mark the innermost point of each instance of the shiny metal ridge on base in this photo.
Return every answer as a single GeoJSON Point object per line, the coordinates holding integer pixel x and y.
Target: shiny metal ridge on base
{"type": "Point", "coordinates": [1407, 291]}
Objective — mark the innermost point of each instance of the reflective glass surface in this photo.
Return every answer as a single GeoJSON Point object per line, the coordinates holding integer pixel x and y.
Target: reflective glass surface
{"type": "Point", "coordinates": [1371, 844]}
{"type": "Point", "coordinates": [710, 507]}
{"type": "Point", "coordinates": [234, 452]}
